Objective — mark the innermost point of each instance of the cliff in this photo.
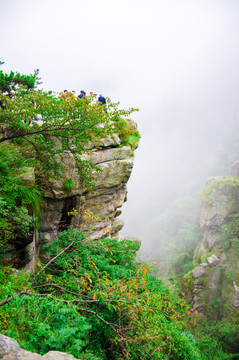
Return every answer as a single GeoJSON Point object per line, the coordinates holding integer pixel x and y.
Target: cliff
{"type": "Point", "coordinates": [212, 286]}
{"type": "Point", "coordinates": [94, 212]}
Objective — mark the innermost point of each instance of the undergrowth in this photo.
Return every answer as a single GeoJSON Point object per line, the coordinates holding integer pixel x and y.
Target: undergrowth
{"type": "Point", "coordinates": [95, 301]}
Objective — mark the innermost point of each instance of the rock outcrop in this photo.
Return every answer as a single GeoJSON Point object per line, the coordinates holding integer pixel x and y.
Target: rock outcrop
{"type": "Point", "coordinates": [93, 212]}
{"type": "Point", "coordinates": [10, 350]}
{"type": "Point", "coordinates": [215, 278]}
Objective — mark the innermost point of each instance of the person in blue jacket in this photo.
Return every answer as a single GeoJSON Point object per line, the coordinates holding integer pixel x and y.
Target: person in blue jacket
{"type": "Point", "coordinates": [82, 94]}
{"type": "Point", "coordinates": [102, 99]}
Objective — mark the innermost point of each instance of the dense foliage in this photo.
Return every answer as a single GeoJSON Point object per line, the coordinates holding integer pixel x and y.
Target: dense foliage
{"type": "Point", "coordinates": [9, 82]}
{"type": "Point", "coordinates": [93, 300]}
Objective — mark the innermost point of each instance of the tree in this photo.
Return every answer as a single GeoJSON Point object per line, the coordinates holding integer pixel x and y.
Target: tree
{"type": "Point", "coordinates": [45, 126]}
{"type": "Point", "coordinates": [9, 82]}
{"type": "Point", "coordinates": [40, 127]}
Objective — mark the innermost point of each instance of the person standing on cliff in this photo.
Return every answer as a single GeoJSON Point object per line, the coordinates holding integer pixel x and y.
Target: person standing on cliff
{"type": "Point", "coordinates": [101, 99]}
{"type": "Point", "coordinates": [82, 94]}
{"type": "Point", "coordinates": [93, 96]}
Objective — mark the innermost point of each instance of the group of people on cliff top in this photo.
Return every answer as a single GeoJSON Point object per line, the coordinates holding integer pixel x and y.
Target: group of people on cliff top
{"type": "Point", "coordinates": [93, 96]}
{"type": "Point", "coordinates": [82, 95]}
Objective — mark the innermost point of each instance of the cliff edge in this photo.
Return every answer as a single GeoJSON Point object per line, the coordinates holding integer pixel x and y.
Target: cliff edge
{"type": "Point", "coordinates": [94, 212]}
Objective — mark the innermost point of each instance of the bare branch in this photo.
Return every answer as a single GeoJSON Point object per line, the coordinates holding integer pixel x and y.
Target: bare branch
{"type": "Point", "coordinates": [24, 292]}
{"type": "Point", "coordinates": [54, 258]}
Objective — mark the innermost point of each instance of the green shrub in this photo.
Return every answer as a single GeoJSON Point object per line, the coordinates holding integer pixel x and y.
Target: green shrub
{"type": "Point", "coordinates": [69, 185]}
{"type": "Point", "coordinates": [128, 134]}
{"type": "Point", "coordinates": [46, 324]}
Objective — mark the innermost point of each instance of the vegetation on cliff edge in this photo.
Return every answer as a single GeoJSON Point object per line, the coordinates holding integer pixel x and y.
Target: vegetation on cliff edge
{"type": "Point", "coordinates": [35, 129]}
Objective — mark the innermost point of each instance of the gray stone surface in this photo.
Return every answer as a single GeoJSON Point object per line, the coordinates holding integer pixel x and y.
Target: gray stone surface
{"type": "Point", "coordinates": [210, 238]}
{"type": "Point", "coordinates": [105, 155]}
{"type": "Point", "coordinates": [57, 355]}
{"type": "Point", "coordinates": [10, 350]}
{"type": "Point", "coordinates": [216, 210]}
{"type": "Point", "coordinates": [116, 227]}
{"type": "Point", "coordinates": [223, 259]}
{"type": "Point", "coordinates": [109, 194]}
{"type": "Point", "coordinates": [235, 297]}
{"type": "Point", "coordinates": [214, 278]}
{"type": "Point", "coordinates": [199, 271]}
{"type": "Point", "coordinates": [110, 141]}
{"type": "Point", "coordinates": [212, 260]}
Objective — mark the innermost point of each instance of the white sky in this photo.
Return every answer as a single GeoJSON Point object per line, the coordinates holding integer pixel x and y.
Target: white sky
{"type": "Point", "coordinates": [176, 60]}
{"type": "Point", "coordinates": [133, 48]}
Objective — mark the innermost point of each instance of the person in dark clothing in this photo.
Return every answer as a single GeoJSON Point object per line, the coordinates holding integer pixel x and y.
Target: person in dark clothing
{"type": "Point", "coordinates": [82, 94]}
{"type": "Point", "coordinates": [102, 99]}
{"type": "Point", "coordinates": [1, 105]}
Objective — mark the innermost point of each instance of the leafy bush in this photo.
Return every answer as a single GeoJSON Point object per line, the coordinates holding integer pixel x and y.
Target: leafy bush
{"type": "Point", "coordinates": [46, 324]}
{"type": "Point", "coordinates": [129, 135]}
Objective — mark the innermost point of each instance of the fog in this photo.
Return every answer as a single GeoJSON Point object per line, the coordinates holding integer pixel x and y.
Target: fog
{"type": "Point", "coordinates": [175, 60]}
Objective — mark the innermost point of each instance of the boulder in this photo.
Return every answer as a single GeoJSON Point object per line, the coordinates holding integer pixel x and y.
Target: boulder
{"type": "Point", "coordinates": [199, 271]}
{"type": "Point", "coordinates": [212, 260]}
{"type": "Point", "coordinates": [116, 227]}
{"type": "Point", "coordinates": [10, 350]}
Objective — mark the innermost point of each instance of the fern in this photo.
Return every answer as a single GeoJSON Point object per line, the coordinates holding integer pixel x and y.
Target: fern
{"type": "Point", "coordinates": [31, 197]}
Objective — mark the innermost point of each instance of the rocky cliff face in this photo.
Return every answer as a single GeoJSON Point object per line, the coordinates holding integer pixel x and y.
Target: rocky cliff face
{"type": "Point", "coordinates": [214, 281]}
{"type": "Point", "coordinates": [95, 213]}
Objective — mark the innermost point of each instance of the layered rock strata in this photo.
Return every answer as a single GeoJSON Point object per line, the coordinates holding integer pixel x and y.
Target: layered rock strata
{"type": "Point", "coordinates": [95, 212]}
